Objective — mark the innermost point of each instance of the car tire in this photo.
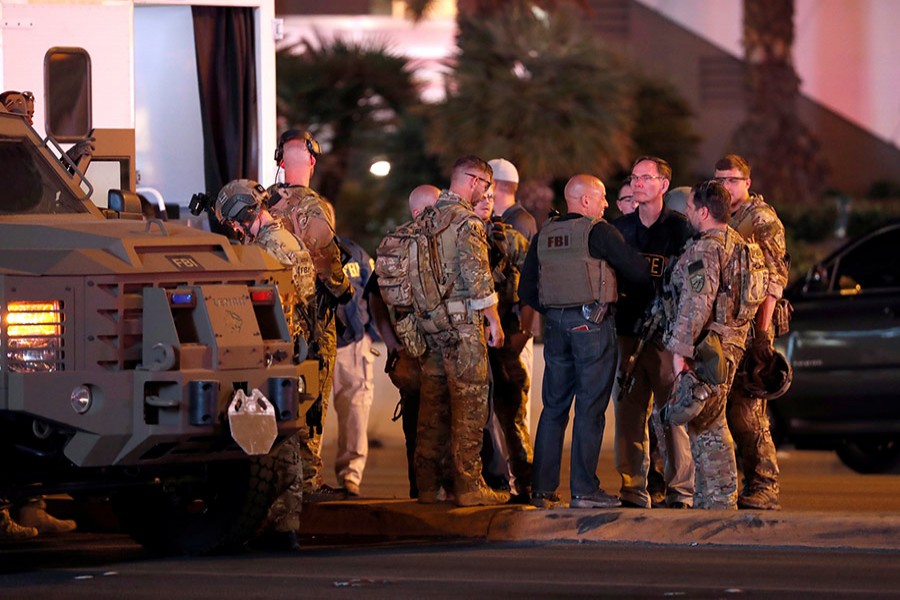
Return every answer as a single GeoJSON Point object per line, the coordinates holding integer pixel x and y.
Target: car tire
{"type": "Point", "coordinates": [216, 510]}
{"type": "Point", "coordinates": [877, 455]}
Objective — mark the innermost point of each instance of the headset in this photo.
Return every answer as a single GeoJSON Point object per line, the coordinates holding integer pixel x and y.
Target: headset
{"type": "Point", "coordinates": [292, 134]}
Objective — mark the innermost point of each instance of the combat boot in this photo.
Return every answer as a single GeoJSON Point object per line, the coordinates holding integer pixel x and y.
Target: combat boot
{"type": "Point", "coordinates": [762, 499]}
{"type": "Point", "coordinates": [34, 514]}
{"type": "Point", "coordinates": [482, 496]}
{"type": "Point", "coordinates": [10, 531]}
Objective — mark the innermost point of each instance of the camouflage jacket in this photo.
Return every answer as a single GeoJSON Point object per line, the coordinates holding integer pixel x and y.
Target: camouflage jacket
{"type": "Point", "coordinates": [695, 282]}
{"type": "Point", "coordinates": [463, 251]}
{"type": "Point", "coordinates": [287, 249]}
{"type": "Point", "coordinates": [300, 209]}
{"type": "Point", "coordinates": [508, 248]}
{"type": "Point", "coordinates": [757, 222]}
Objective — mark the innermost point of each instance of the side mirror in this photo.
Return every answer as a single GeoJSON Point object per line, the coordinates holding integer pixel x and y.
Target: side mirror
{"type": "Point", "coordinates": [123, 201]}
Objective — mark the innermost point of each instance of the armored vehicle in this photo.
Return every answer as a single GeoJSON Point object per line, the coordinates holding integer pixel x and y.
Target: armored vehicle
{"type": "Point", "coordinates": [143, 360]}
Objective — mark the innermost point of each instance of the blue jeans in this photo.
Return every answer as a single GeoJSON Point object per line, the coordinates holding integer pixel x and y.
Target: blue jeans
{"type": "Point", "coordinates": [579, 366]}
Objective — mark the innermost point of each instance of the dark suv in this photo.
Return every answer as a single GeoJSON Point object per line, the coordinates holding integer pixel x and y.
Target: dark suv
{"type": "Point", "coordinates": [844, 347]}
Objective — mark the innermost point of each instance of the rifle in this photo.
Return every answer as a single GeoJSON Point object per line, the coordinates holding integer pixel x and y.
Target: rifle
{"type": "Point", "coordinates": [649, 327]}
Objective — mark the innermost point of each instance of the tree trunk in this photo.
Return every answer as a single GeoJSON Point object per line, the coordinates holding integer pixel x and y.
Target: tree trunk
{"type": "Point", "coordinates": [786, 158]}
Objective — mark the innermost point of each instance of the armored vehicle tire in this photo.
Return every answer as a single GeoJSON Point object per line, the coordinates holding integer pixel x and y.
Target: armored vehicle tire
{"type": "Point", "coordinates": [217, 510]}
{"type": "Point", "coordinates": [874, 455]}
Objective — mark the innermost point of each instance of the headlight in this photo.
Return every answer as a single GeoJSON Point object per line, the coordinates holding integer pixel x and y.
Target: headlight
{"type": "Point", "coordinates": [81, 399]}
{"type": "Point", "coordinates": [34, 333]}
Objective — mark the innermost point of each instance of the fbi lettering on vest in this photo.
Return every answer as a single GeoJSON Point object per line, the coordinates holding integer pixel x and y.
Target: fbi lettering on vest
{"type": "Point", "coordinates": [558, 241]}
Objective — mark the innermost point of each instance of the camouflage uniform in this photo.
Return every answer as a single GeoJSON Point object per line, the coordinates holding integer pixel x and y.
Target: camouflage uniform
{"type": "Point", "coordinates": [697, 279]}
{"type": "Point", "coordinates": [284, 514]}
{"type": "Point", "coordinates": [511, 381]}
{"type": "Point", "coordinates": [454, 377]}
{"type": "Point", "coordinates": [748, 419]}
{"type": "Point", "coordinates": [301, 211]}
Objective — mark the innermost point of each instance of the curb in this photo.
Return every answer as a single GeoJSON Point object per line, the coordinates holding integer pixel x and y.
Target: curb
{"type": "Point", "coordinates": [406, 518]}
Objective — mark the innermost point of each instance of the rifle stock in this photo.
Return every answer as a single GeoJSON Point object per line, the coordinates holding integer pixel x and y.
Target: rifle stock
{"type": "Point", "coordinates": [649, 328]}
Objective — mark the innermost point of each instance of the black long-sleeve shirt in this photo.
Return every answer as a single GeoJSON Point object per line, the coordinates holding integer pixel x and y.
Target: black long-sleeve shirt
{"type": "Point", "coordinates": [604, 242]}
{"type": "Point", "coordinates": [659, 243]}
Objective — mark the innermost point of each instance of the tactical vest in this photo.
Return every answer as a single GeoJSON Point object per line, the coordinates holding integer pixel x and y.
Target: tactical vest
{"type": "Point", "coordinates": [569, 274]}
{"type": "Point", "coordinates": [743, 280]}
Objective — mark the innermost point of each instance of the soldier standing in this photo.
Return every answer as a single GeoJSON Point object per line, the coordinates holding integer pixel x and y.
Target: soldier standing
{"type": "Point", "coordinates": [748, 419]}
{"type": "Point", "coordinates": [454, 396]}
{"type": "Point", "coordinates": [567, 277]}
{"type": "Point", "coordinates": [304, 213]}
{"type": "Point", "coordinates": [404, 370]}
{"type": "Point", "coordinates": [511, 212]}
{"type": "Point", "coordinates": [706, 297]}
{"type": "Point", "coordinates": [511, 381]}
{"type": "Point", "coordinates": [241, 205]}
{"type": "Point", "coordinates": [658, 234]}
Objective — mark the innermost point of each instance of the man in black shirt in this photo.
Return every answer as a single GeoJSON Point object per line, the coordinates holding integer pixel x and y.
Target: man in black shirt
{"type": "Point", "coordinates": [658, 234]}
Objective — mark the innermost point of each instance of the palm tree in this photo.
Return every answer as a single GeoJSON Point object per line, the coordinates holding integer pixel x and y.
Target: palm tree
{"type": "Point", "coordinates": [342, 91]}
{"type": "Point", "coordinates": [538, 88]}
{"type": "Point", "coordinates": [786, 157]}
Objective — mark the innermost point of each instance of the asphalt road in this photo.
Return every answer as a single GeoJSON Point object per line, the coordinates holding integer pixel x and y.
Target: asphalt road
{"type": "Point", "coordinates": [110, 567]}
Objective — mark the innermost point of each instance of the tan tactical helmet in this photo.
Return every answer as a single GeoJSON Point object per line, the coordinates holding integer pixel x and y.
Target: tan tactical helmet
{"type": "Point", "coordinates": [237, 197]}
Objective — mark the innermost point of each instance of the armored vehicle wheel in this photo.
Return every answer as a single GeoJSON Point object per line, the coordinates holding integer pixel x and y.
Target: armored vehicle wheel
{"type": "Point", "coordinates": [216, 510]}
{"type": "Point", "coordinates": [878, 455]}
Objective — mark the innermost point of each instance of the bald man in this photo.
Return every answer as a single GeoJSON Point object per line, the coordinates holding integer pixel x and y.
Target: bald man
{"type": "Point", "coordinates": [421, 198]}
{"type": "Point", "coordinates": [570, 277]}
{"type": "Point", "coordinates": [403, 369]}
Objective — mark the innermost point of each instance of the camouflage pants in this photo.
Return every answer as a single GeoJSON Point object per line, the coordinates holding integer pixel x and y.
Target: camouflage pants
{"type": "Point", "coordinates": [511, 384]}
{"type": "Point", "coordinates": [712, 447]}
{"type": "Point", "coordinates": [453, 408]}
{"type": "Point", "coordinates": [653, 379]}
{"type": "Point", "coordinates": [284, 514]}
{"type": "Point", "coordinates": [311, 445]}
{"type": "Point", "coordinates": [749, 423]}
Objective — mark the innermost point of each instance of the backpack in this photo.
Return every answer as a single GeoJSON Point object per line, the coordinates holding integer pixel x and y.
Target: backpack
{"type": "Point", "coordinates": [747, 267]}
{"type": "Point", "coordinates": [408, 265]}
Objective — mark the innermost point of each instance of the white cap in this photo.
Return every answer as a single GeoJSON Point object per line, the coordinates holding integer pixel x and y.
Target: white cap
{"type": "Point", "coordinates": [504, 170]}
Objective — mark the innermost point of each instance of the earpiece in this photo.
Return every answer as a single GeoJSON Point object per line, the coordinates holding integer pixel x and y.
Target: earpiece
{"type": "Point", "coordinates": [292, 134]}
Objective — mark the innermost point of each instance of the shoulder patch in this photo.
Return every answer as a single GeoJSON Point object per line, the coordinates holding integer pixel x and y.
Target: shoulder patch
{"type": "Point", "coordinates": [697, 276]}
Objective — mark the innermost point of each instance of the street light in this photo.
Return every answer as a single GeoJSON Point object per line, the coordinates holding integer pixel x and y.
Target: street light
{"type": "Point", "coordinates": [380, 168]}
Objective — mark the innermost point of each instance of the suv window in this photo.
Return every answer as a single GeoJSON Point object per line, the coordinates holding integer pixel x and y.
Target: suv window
{"type": "Point", "coordinates": [870, 265]}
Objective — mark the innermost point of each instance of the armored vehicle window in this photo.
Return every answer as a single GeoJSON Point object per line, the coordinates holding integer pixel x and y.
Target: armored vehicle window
{"type": "Point", "coordinates": [67, 81]}
{"type": "Point", "coordinates": [28, 185]}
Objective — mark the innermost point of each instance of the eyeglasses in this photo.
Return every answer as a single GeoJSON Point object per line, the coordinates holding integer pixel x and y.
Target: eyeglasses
{"type": "Point", "coordinates": [486, 182]}
{"type": "Point", "coordinates": [730, 180]}
{"type": "Point", "coordinates": [643, 178]}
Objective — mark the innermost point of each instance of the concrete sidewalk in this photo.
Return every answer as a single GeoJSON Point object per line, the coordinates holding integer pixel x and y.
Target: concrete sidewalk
{"type": "Point", "coordinates": [811, 517]}
{"type": "Point", "coordinates": [408, 519]}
